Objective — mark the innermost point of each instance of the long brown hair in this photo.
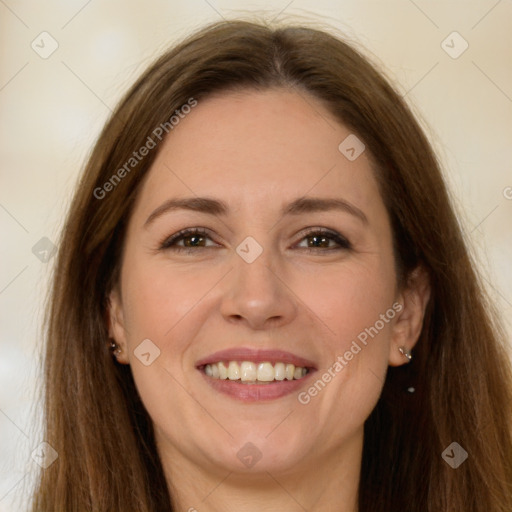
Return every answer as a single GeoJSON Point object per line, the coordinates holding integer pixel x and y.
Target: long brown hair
{"type": "Point", "coordinates": [461, 370]}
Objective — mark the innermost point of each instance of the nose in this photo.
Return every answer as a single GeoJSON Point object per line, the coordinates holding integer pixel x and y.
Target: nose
{"type": "Point", "coordinates": [257, 294]}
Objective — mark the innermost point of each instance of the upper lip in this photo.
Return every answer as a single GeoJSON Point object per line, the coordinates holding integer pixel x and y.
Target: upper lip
{"type": "Point", "coordinates": [256, 356]}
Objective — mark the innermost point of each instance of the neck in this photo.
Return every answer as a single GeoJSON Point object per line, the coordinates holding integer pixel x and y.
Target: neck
{"type": "Point", "coordinates": [317, 485]}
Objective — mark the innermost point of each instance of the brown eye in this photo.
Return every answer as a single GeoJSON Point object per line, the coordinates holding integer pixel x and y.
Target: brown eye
{"type": "Point", "coordinates": [192, 238]}
{"type": "Point", "coordinates": [195, 238]}
{"type": "Point", "coordinates": [321, 239]}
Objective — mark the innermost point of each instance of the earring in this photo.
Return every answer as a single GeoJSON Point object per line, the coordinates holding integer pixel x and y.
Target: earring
{"type": "Point", "coordinates": [115, 348]}
{"type": "Point", "coordinates": [405, 352]}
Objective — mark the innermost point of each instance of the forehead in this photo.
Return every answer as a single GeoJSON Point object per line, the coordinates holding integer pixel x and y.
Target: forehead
{"type": "Point", "coordinates": [259, 148]}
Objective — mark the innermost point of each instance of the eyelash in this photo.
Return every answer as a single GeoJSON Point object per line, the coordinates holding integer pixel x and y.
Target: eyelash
{"type": "Point", "coordinates": [169, 243]}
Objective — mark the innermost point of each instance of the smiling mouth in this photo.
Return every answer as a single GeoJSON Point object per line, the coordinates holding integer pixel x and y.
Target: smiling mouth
{"type": "Point", "coordinates": [248, 372]}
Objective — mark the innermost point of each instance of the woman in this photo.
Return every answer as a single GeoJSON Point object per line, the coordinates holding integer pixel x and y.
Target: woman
{"type": "Point", "coordinates": [263, 300]}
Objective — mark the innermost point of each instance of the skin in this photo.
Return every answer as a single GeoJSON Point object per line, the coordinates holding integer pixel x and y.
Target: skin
{"type": "Point", "coordinates": [258, 151]}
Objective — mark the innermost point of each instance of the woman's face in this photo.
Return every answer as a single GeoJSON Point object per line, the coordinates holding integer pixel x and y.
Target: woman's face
{"type": "Point", "coordinates": [279, 274]}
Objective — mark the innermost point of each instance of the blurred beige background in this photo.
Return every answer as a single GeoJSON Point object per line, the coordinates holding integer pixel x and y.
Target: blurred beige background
{"type": "Point", "coordinates": [64, 65]}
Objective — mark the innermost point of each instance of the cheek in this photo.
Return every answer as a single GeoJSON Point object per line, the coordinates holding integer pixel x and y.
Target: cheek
{"type": "Point", "coordinates": [348, 299]}
{"type": "Point", "coordinates": [160, 305]}
{"type": "Point", "coordinates": [157, 306]}
{"type": "Point", "coordinates": [158, 298]}
{"type": "Point", "coordinates": [355, 306]}
{"type": "Point", "coordinates": [164, 302]}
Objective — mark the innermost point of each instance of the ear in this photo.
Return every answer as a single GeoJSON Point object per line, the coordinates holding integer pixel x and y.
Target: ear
{"type": "Point", "coordinates": [408, 323]}
{"type": "Point", "coordinates": [116, 326]}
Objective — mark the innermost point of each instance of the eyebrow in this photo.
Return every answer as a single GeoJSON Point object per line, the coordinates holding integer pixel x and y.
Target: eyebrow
{"type": "Point", "coordinates": [217, 207]}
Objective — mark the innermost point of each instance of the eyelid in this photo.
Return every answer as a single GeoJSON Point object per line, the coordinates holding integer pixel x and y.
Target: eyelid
{"type": "Point", "coordinates": [176, 237]}
{"type": "Point", "coordinates": [343, 242]}
{"type": "Point", "coordinates": [169, 242]}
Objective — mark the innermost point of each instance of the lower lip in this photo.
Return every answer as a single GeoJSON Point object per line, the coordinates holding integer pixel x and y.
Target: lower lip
{"type": "Point", "coordinates": [256, 392]}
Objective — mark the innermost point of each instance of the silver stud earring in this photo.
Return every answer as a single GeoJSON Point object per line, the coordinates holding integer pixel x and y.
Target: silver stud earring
{"type": "Point", "coordinates": [405, 352]}
{"type": "Point", "coordinates": [115, 348]}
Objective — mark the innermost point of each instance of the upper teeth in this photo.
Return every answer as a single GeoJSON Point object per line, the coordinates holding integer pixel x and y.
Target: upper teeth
{"type": "Point", "coordinates": [248, 371]}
